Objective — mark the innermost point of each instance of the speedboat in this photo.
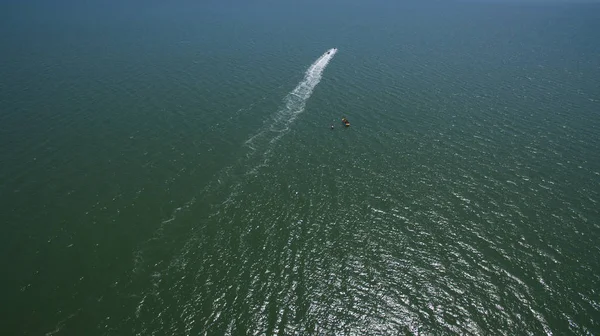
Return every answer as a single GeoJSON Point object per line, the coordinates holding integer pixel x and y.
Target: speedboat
{"type": "Point", "coordinates": [345, 122]}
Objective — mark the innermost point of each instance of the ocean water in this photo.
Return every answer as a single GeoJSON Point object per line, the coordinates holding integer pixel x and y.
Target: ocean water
{"type": "Point", "coordinates": [169, 169]}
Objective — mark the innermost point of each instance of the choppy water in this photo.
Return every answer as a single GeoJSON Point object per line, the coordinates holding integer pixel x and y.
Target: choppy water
{"type": "Point", "coordinates": [171, 170]}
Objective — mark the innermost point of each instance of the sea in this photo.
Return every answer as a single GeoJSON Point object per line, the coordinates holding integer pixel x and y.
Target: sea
{"type": "Point", "coordinates": [181, 168]}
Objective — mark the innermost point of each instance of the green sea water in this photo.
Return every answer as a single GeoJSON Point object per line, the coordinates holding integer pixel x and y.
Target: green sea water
{"type": "Point", "coordinates": [169, 169]}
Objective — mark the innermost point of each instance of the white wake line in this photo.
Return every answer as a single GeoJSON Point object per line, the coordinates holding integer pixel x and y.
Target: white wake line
{"type": "Point", "coordinates": [295, 101]}
{"type": "Point", "coordinates": [279, 122]}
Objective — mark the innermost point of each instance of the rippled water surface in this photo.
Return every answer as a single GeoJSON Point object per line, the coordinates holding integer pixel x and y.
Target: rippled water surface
{"type": "Point", "coordinates": [171, 170]}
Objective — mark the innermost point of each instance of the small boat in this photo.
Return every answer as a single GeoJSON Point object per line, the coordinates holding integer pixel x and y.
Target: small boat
{"type": "Point", "coordinates": [345, 122]}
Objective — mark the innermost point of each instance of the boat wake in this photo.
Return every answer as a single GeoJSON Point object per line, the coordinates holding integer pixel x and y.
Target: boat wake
{"type": "Point", "coordinates": [217, 199]}
{"type": "Point", "coordinates": [228, 180]}
{"type": "Point", "coordinates": [294, 104]}
{"type": "Point", "coordinates": [261, 143]}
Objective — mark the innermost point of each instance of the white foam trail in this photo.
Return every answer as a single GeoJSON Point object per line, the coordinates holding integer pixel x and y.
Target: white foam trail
{"type": "Point", "coordinates": [260, 144]}
{"type": "Point", "coordinates": [295, 102]}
